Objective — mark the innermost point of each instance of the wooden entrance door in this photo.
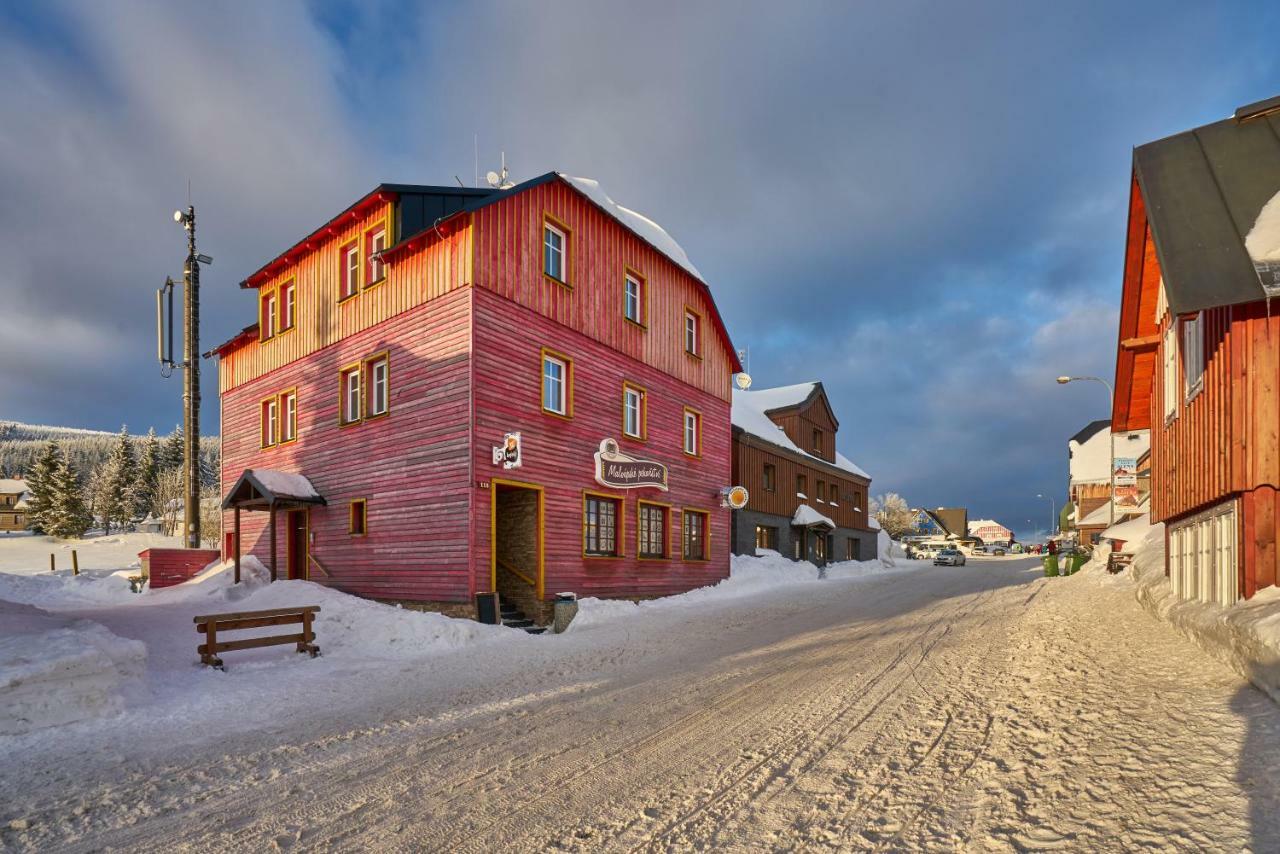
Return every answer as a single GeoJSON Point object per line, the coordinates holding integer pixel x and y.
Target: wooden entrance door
{"type": "Point", "coordinates": [296, 543]}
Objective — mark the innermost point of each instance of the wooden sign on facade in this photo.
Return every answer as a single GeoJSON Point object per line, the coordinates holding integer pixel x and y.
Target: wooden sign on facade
{"type": "Point", "coordinates": [621, 471]}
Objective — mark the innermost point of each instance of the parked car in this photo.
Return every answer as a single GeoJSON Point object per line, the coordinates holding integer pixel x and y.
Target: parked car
{"type": "Point", "coordinates": [949, 557]}
{"type": "Point", "coordinates": [999, 551]}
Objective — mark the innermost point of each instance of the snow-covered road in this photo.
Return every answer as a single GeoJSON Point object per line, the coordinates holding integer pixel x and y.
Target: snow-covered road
{"type": "Point", "coordinates": [982, 707]}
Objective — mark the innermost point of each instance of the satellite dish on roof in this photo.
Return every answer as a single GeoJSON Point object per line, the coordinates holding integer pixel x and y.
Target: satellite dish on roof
{"type": "Point", "coordinates": [493, 179]}
{"type": "Point", "coordinates": [742, 380]}
{"type": "Point", "coordinates": [498, 180]}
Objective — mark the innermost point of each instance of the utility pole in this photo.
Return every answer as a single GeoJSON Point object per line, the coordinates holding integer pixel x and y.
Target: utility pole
{"type": "Point", "coordinates": [191, 381]}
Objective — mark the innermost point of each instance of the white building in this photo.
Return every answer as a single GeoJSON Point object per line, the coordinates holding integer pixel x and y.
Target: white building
{"type": "Point", "coordinates": [990, 532]}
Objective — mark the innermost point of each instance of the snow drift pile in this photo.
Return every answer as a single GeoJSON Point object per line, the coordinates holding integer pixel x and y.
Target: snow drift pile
{"type": "Point", "coordinates": [56, 670]}
{"type": "Point", "coordinates": [1245, 636]}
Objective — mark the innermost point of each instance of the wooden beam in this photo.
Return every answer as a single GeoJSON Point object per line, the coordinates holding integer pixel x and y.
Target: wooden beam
{"type": "Point", "coordinates": [272, 511]}
{"type": "Point", "coordinates": [1143, 342]}
{"type": "Point", "coordinates": [237, 535]}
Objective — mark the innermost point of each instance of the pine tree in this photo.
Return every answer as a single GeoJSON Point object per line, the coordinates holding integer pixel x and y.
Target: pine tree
{"type": "Point", "coordinates": [146, 484]}
{"type": "Point", "coordinates": [113, 502]}
{"type": "Point", "coordinates": [69, 517]}
{"type": "Point", "coordinates": [174, 451]}
{"type": "Point", "coordinates": [40, 483]}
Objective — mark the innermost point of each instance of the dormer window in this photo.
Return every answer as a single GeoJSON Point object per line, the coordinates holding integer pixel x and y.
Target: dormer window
{"type": "Point", "coordinates": [633, 298]}
{"type": "Point", "coordinates": [349, 255]}
{"type": "Point", "coordinates": [375, 242]}
{"type": "Point", "coordinates": [817, 441]}
{"type": "Point", "coordinates": [267, 316]}
{"type": "Point", "coordinates": [288, 303]}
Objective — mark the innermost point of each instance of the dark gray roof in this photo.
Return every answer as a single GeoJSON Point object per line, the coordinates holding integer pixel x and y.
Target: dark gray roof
{"type": "Point", "coordinates": [1090, 430]}
{"type": "Point", "coordinates": [1203, 191]}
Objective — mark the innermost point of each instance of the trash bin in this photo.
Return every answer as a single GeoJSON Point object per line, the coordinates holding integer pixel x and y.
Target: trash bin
{"type": "Point", "coordinates": [563, 612]}
{"type": "Point", "coordinates": [487, 609]}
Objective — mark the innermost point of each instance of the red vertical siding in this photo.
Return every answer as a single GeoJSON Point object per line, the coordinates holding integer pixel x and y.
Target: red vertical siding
{"type": "Point", "coordinates": [410, 466]}
{"type": "Point", "coordinates": [509, 262]}
{"type": "Point", "coordinates": [558, 453]}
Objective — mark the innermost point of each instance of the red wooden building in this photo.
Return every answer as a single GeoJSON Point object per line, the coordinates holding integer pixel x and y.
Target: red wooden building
{"type": "Point", "coordinates": [525, 390]}
{"type": "Point", "coordinates": [1202, 262]}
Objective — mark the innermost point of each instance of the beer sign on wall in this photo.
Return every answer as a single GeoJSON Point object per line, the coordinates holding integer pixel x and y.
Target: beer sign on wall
{"type": "Point", "coordinates": [622, 471]}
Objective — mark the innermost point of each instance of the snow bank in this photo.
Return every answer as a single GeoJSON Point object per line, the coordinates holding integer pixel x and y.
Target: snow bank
{"type": "Point", "coordinates": [748, 576]}
{"type": "Point", "coordinates": [56, 670]}
{"type": "Point", "coordinates": [62, 590]}
{"type": "Point", "coordinates": [347, 627]}
{"type": "Point", "coordinates": [1245, 636]}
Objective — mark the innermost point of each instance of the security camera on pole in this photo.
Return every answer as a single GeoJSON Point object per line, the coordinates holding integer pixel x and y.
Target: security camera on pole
{"type": "Point", "coordinates": [191, 370]}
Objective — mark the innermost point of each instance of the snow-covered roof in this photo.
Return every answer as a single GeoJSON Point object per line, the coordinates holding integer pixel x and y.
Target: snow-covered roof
{"type": "Point", "coordinates": [1130, 531]}
{"type": "Point", "coordinates": [12, 486]}
{"type": "Point", "coordinates": [255, 485]}
{"type": "Point", "coordinates": [645, 228]}
{"type": "Point", "coordinates": [978, 524]}
{"type": "Point", "coordinates": [748, 414]}
{"type": "Point", "coordinates": [873, 523]}
{"type": "Point", "coordinates": [806, 516]}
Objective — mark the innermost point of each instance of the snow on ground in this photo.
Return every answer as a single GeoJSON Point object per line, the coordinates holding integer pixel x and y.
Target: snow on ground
{"type": "Point", "coordinates": [970, 708]}
{"type": "Point", "coordinates": [351, 632]}
{"type": "Point", "coordinates": [1244, 636]}
{"type": "Point", "coordinates": [56, 670]}
{"type": "Point", "coordinates": [26, 553]}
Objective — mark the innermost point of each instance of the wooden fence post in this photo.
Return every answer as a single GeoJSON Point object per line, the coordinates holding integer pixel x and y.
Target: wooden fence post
{"type": "Point", "coordinates": [52, 567]}
{"type": "Point", "coordinates": [75, 563]}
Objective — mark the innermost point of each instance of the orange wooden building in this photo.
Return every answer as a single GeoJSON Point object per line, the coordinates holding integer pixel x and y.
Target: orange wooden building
{"type": "Point", "coordinates": [1199, 347]}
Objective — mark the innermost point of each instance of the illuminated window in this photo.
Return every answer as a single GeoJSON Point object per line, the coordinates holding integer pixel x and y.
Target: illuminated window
{"type": "Point", "coordinates": [766, 537]}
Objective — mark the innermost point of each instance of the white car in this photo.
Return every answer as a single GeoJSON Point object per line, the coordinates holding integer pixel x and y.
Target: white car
{"type": "Point", "coordinates": [949, 557]}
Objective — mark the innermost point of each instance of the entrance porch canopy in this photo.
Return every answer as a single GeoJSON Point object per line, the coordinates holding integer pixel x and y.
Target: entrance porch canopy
{"type": "Point", "coordinates": [270, 490]}
{"type": "Point", "coordinates": [807, 517]}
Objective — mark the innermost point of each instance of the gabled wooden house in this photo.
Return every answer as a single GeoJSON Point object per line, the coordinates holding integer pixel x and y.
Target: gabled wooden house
{"type": "Point", "coordinates": [13, 504]}
{"type": "Point", "coordinates": [807, 500]}
{"type": "Point", "coordinates": [1199, 347]}
{"type": "Point", "coordinates": [523, 390]}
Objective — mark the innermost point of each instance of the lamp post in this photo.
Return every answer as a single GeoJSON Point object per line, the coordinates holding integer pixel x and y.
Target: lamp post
{"type": "Point", "coordinates": [1053, 514]}
{"type": "Point", "coordinates": [1111, 432]}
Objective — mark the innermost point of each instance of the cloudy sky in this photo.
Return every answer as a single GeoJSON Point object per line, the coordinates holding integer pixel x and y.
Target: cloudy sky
{"type": "Point", "coordinates": [920, 204]}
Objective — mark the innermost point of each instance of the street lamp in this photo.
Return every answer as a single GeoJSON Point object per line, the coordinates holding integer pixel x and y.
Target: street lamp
{"type": "Point", "coordinates": [1053, 514]}
{"type": "Point", "coordinates": [1111, 431]}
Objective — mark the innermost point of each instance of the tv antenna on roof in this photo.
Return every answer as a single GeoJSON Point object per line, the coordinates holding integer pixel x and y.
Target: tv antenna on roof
{"type": "Point", "coordinates": [499, 180]}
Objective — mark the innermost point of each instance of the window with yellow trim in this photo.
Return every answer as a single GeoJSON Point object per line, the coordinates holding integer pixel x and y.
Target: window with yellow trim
{"type": "Point", "coordinates": [269, 422]}
{"type": "Point", "coordinates": [289, 416]}
{"type": "Point", "coordinates": [692, 333]}
{"type": "Point", "coordinates": [692, 433]}
{"type": "Point", "coordinates": [358, 518]}
{"type": "Point", "coordinates": [267, 316]}
{"type": "Point", "coordinates": [633, 298]}
{"type": "Point", "coordinates": [375, 241]}
{"type": "Point", "coordinates": [378, 379]}
{"type": "Point", "coordinates": [288, 305]}
{"type": "Point", "coordinates": [652, 525]}
{"type": "Point", "coordinates": [557, 378]}
{"type": "Point", "coordinates": [633, 414]}
{"type": "Point", "coordinates": [694, 535]}
{"type": "Point", "coordinates": [349, 395]}
{"type": "Point", "coordinates": [555, 245]}
{"type": "Point", "coordinates": [349, 255]}
{"type": "Point", "coordinates": [600, 526]}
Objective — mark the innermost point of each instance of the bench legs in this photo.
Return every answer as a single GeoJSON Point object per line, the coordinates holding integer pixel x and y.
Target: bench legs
{"type": "Point", "coordinates": [306, 645]}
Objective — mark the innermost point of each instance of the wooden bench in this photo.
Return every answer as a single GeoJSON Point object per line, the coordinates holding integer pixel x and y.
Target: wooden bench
{"type": "Point", "coordinates": [213, 625]}
{"type": "Point", "coordinates": [1117, 561]}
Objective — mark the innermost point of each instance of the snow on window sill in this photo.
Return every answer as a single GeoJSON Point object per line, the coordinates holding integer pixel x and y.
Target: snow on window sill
{"type": "Point", "coordinates": [802, 495]}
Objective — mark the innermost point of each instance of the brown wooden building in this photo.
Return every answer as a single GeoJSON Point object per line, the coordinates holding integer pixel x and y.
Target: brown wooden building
{"type": "Point", "coordinates": [1199, 347]}
{"type": "Point", "coordinates": [807, 500]}
{"type": "Point", "coordinates": [13, 504]}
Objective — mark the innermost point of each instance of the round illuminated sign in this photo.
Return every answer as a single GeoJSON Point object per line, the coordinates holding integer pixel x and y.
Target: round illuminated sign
{"type": "Point", "coordinates": [736, 497]}
{"type": "Point", "coordinates": [742, 380]}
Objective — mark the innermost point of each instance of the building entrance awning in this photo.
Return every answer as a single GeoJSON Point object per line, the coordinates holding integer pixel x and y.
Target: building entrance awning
{"type": "Point", "coordinates": [807, 517]}
{"type": "Point", "coordinates": [269, 490]}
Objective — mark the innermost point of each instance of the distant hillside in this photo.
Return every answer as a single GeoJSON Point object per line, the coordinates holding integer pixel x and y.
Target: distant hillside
{"type": "Point", "coordinates": [20, 444]}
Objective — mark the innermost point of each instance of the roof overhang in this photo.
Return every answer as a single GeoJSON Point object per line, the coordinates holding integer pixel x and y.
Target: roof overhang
{"type": "Point", "coordinates": [263, 490]}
